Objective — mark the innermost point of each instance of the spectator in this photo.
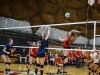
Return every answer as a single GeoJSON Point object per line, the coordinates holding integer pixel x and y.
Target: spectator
{"type": "Point", "coordinates": [78, 57]}
{"type": "Point", "coordinates": [51, 58]}
{"type": "Point", "coordinates": [23, 56]}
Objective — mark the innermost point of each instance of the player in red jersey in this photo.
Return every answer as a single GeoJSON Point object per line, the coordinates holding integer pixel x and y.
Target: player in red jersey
{"type": "Point", "coordinates": [59, 63]}
{"type": "Point", "coordinates": [32, 56]}
{"type": "Point", "coordinates": [85, 57]}
{"type": "Point", "coordinates": [78, 57]}
{"type": "Point", "coordinates": [71, 57]}
{"type": "Point", "coordinates": [66, 45]}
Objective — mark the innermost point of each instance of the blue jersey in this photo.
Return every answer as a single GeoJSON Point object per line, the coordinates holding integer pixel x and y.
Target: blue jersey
{"type": "Point", "coordinates": [42, 46]}
{"type": "Point", "coordinates": [8, 47]}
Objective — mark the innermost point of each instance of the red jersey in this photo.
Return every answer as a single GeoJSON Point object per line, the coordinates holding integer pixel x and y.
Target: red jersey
{"type": "Point", "coordinates": [58, 60]}
{"type": "Point", "coordinates": [85, 55]}
{"type": "Point", "coordinates": [33, 52]}
{"type": "Point", "coordinates": [67, 43]}
{"type": "Point", "coordinates": [74, 54]}
{"type": "Point", "coordinates": [78, 54]}
{"type": "Point", "coordinates": [70, 54]}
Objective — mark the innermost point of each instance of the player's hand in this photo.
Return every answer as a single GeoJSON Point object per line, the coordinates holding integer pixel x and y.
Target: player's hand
{"type": "Point", "coordinates": [14, 49]}
{"type": "Point", "coordinates": [8, 53]}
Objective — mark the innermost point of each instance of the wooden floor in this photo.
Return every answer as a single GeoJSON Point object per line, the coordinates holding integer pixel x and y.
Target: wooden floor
{"type": "Point", "coordinates": [19, 70]}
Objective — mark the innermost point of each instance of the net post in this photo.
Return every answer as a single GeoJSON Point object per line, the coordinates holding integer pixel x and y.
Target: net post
{"type": "Point", "coordinates": [94, 35]}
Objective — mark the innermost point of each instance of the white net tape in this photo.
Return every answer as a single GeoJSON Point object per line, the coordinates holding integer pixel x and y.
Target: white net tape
{"type": "Point", "coordinates": [54, 48]}
{"type": "Point", "coordinates": [62, 24]}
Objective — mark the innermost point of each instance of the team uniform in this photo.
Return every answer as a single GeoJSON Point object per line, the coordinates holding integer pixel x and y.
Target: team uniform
{"type": "Point", "coordinates": [41, 50]}
{"type": "Point", "coordinates": [33, 52]}
{"type": "Point", "coordinates": [67, 43]}
{"type": "Point", "coordinates": [94, 57]}
{"type": "Point", "coordinates": [71, 57]}
{"type": "Point", "coordinates": [8, 49]}
{"type": "Point", "coordinates": [78, 57]}
{"type": "Point", "coordinates": [58, 60]}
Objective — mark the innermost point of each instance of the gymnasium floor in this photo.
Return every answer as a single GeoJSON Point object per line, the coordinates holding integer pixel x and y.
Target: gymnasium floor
{"type": "Point", "coordinates": [19, 70]}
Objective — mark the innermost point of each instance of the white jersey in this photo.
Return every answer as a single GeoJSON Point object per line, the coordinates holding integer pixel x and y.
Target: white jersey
{"type": "Point", "coordinates": [94, 57]}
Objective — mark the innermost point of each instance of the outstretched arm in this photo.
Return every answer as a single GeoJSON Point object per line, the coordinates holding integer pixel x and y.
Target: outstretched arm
{"type": "Point", "coordinates": [62, 40]}
{"type": "Point", "coordinates": [75, 31]}
{"type": "Point", "coordinates": [48, 34]}
{"type": "Point", "coordinates": [44, 31]}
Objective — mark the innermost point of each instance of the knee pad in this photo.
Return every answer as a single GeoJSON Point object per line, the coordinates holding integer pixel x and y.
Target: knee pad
{"type": "Point", "coordinates": [37, 65]}
{"type": "Point", "coordinates": [95, 71]}
{"type": "Point", "coordinates": [41, 66]}
{"type": "Point", "coordinates": [65, 57]}
{"type": "Point", "coordinates": [28, 63]}
{"type": "Point", "coordinates": [33, 63]}
{"type": "Point", "coordinates": [89, 68]}
{"type": "Point", "coordinates": [58, 65]}
{"type": "Point", "coordinates": [6, 63]}
{"type": "Point", "coordinates": [9, 63]}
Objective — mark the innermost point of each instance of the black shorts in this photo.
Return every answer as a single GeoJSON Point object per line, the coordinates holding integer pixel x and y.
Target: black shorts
{"type": "Point", "coordinates": [67, 47]}
{"type": "Point", "coordinates": [33, 56]}
{"type": "Point", "coordinates": [40, 55]}
{"type": "Point", "coordinates": [2, 53]}
{"type": "Point", "coordinates": [96, 63]}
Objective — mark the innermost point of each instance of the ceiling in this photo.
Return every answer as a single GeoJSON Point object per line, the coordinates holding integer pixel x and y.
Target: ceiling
{"type": "Point", "coordinates": [52, 12]}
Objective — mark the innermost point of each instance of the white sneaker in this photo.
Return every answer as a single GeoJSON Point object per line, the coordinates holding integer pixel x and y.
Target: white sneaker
{"type": "Point", "coordinates": [5, 72]}
{"type": "Point", "coordinates": [26, 69]}
{"type": "Point", "coordinates": [10, 72]}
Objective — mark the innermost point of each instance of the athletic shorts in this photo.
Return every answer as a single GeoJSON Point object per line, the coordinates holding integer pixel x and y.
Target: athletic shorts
{"type": "Point", "coordinates": [40, 55]}
{"type": "Point", "coordinates": [2, 53]}
{"type": "Point", "coordinates": [96, 63]}
{"type": "Point", "coordinates": [33, 56]}
{"type": "Point", "coordinates": [67, 47]}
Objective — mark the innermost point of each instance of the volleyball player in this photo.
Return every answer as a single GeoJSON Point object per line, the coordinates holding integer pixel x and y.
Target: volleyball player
{"type": "Point", "coordinates": [71, 57]}
{"type": "Point", "coordinates": [84, 59]}
{"type": "Point", "coordinates": [66, 45]}
{"type": "Point", "coordinates": [5, 55]}
{"type": "Point", "coordinates": [32, 56]}
{"type": "Point", "coordinates": [95, 63]}
{"type": "Point", "coordinates": [59, 63]}
{"type": "Point", "coordinates": [41, 51]}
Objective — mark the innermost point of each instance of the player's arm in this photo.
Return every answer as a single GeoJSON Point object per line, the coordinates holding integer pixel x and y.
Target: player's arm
{"type": "Point", "coordinates": [44, 31]}
{"type": "Point", "coordinates": [75, 31]}
{"type": "Point", "coordinates": [48, 34]}
{"type": "Point", "coordinates": [62, 40]}
{"type": "Point", "coordinates": [30, 50]}
{"type": "Point", "coordinates": [5, 50]}
{"type": "Point", "coordinates": [13, 50]}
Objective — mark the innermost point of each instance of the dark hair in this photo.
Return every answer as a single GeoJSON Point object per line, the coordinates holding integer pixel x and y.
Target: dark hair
{"type": "Point", "coordinates": [40, 37]}
{"type": "Point", "coordinates": [9, 39]}
{"type": "Point", "coordinates": [72, 33]}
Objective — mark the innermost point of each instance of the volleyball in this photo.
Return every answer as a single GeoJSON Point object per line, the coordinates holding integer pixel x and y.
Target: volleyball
{"type": "Point", "coordinates": [67, 15]}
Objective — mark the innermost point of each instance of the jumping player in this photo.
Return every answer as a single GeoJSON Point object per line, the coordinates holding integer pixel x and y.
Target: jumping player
{"type": "Point", "coordinates": [66, 45]}
{"type": "Point", "coordinates": [41, 51]}
{"type": "Point", "coordinates": [5, 54]}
